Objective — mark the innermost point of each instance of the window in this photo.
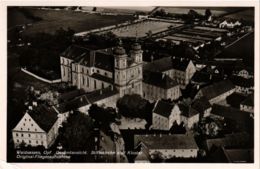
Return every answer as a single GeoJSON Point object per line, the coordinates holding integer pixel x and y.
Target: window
{"type": "Point", "coordinates": [31, 124]}
{"type": "Point", "coordinates": [29, 119]}
{"type": "Point", "coordinates": [97, 71]}
{"type": "Point", "coordinates": [29, 135]}
{"type": "Point", "coordinates": [29, 141]}
{"type": "Point", "coordinates": [23, 124]}
{"type": "Point", "coordinates": [21, 128]}
{"type": "Point", "coordinates": [102, 85]}
{"type": "Point", "coordinates": [25, 119]}
{"type": "Point", "coordinates": [35, 129]}
{"type": "Point", "coordinates": [21, 135]}
{"type": "Point", "coordinates": [83, 80]}
{"type": "Point", "coordinates": [17, 134]}
{"type": "Point", "coordinates": [95, 84]}
{"type": "Point", "coordinates": [36, 141]}
{"type": "Point", "coordinates": [105, 73]}
{"type": "Point", "coordinates": [17, 140]}
{"type": "Point", "coordinates": [42, 142]}
{"type": "Point", "coordinates": [87, 81]}
{"type": "Point", "coordinates": [28, 129]}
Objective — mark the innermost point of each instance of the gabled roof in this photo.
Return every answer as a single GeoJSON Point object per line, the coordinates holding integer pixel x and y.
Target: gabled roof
{"type": "Point", "coordinates": [249, 101]}
{"type": "Point", "coordinates": [71, 95]}
{"type": "Point", "coordinates": [229, 112]}
{"type": "Point", "coordinates": [44, 116]}
{"type": "Point", "coordinates": [187, 111]}
{"type": "Point", "coordinates": [158, 79]}
{"type": "Point", "coordinates": [243, 82]}
{"type": "Point", "coordinates": [176, 141]}
{"type": "Point", "coordinates": [167, 63]}
{"type": "Point", "coordinates": [101, 94]}
{"type": "Point", "coordinates": [201, 104]}
{"type": "Point", "coordinates": [73, 104]}
{"type": "Point", "coordinates": [163, 108]}
{"type": "Point", "coordinates": [90, 58]}
{"type": "Point", "coordinates": [239, 155]}
{"type": "Point", "coordinates": [235, 140]}
{"type": "Point", "coordinates": [217, 89]}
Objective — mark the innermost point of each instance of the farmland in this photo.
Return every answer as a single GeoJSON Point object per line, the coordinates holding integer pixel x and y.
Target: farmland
{"type": "Point", "coordinates": [143, 28]}
{"type": "Point", "coordinates": [244, 49]}
{"type": "Point", "coordinates": [53, 20]}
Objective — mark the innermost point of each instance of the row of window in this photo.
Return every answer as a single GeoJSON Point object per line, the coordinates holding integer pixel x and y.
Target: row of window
{"type": "Point", "coordinates": [22, 129]}
{"type": "Point", "coordinates": [30, 141]}
{"type": "Point", "coordinates": [29, 135]}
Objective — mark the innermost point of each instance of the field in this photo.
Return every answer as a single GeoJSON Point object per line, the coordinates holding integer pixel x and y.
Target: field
{"type": "Point", "coordinates": [142, 28]}
{"type": "Point", "coordinates": [247, 15]}
{"type": "Point", "coordinates": [244, 49]}
{"type": "Point", "coordinates": [53, 20]}
{"type": "Point", "coordinates": [216, 11]}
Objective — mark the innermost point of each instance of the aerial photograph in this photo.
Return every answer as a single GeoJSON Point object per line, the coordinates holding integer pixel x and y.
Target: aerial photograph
{"type": "Point", "coordinates": [152, 84]}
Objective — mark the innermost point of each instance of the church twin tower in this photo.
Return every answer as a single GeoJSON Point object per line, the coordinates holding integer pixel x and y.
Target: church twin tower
{"type": "Point", "coordinates": [128, 70]}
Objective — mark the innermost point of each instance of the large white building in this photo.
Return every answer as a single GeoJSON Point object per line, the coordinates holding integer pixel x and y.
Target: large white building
{"type": "Point", "coordinates": [157, 85]}
{"type": "Point", "coordinates": [180, 70]}
{"type": "Point", "coordinates": [93, 70]}
{"type": "Point", "coordinates": [38, 127]}
{"type": "Point", "coordinates": [167, 146]}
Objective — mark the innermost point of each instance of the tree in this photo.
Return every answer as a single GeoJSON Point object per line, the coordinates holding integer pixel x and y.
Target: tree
{"type": "Point", "coordinates": [133, 106]}
{"type": "Point", "coordinates": [207, 13]}
{"type": "Point", "coordinates": [76, 133]}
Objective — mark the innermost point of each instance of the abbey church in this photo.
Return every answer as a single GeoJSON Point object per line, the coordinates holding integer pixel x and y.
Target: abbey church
{"type": "Point", "coordinates": [112, 68]}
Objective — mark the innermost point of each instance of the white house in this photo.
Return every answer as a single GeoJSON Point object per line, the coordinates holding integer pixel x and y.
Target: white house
{"type": "Point", "coordinates": [38, 126]}
{"type": "Point", "coordinates": [167, 146]}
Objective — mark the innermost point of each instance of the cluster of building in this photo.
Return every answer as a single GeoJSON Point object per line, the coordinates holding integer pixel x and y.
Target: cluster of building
{"type": "Point", "coordinates": [102, 76]}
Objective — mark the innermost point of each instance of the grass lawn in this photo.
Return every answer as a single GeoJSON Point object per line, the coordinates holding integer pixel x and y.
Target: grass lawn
{"type": "Point", "coordinates": [53, 20]}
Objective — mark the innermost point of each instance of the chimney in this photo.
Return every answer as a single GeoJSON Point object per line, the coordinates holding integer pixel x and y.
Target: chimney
{"type": "Point", "coordinates": [100, 92]}
{"type": "Point", "coordinates": [163, 75]}
{"type": "Point", "coordinates": [210, 76]}
{"type": "Point", "coordinates": [160, 134]}
{"type": "Point", "coordinates": [30, 107]}
{"type": "Point", "coordinates": [181, 59]}
{"type": "Point", "coordinates": [152, 58]}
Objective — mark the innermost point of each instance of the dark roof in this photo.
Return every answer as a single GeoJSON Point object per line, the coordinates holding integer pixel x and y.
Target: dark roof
{"type": "Point", "coordinates": [243, 82]}
{"type": "Point", "coordinates": [72, 104]}
{"type": "Point", "coordinates": [163, 108]}
{"type": "Point", "coordinates": [104, 61]}
{"type": "Point", "coordinates": [101, 94]}
{"type": "Point", "coordinates": [239, 155]}
{"type": "Point", "coordinates": [44, 116]}
{"type": "Point", "coordinates": [217, 89]}
{"type": "Point", "coordinates": [241, 118]}
{"type": "Point", "coordinates": [235, 140]}
{"type": "Point", "coordinates": [176, 141]}
{"type": "Point", "coordinates": [98, 58]}
{"type": "Point", "coordinates": [249, 101]}
{"type": "Point", "coordinates": [102, 78]}
{"type": "Point", "coordinates": [167, 63]}
{"type": "Point", "coordinates": [143, 154]}
{"type": "Point", "coordinates": [201, 104]}
{"type": "Point", "coordinates": [75, 52]}
{"type": "Point", "coordinates": [158, 79]}
{"type": "Point", "coordinates": [71, 95]}
{"type": "Point", "coordinates": [187, 111]}
{"type": "Point", "coordinates": [201, 77]}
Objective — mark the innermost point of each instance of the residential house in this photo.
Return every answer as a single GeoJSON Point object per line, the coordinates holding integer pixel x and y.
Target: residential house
{"type": "Point", "coordinates": [157, 85]}
{"type": "Point", "coordinates": [168, 146]}
{"type": "Point", "coordinates": [217, 91]}
{"type": "Point", "coordinates": [202, 106]}
{"type": "Point", "coordinates": [38, 127]}
{"type": "Point", "coordinates": [164, 114]}
{"type": "Point", "coordinates": [243, 85]}
{"type": "Point", "coordinates": [189, 115]}
{"type": "Point", "coordinates": [248, 104]}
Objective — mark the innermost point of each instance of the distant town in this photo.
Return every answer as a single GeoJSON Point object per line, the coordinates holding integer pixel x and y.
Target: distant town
{"type": "Point", "coordinates": [130, 85]}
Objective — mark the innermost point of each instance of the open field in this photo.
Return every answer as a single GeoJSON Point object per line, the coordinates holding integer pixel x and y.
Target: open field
{"type": "Point", "coordinates": [247, 15]}
{"type": "Point", "coordinates": [53, 20]}
{"type": "Point", "coordinates": [244, 49]}
{"type": "Point", "coordinates": [140, 29]}
{"type": "Point", "coordinates": [216, 11]}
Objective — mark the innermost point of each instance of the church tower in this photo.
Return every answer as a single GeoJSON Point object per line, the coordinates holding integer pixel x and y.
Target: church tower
{"type": "Point", "coordinates": [128, 70]}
